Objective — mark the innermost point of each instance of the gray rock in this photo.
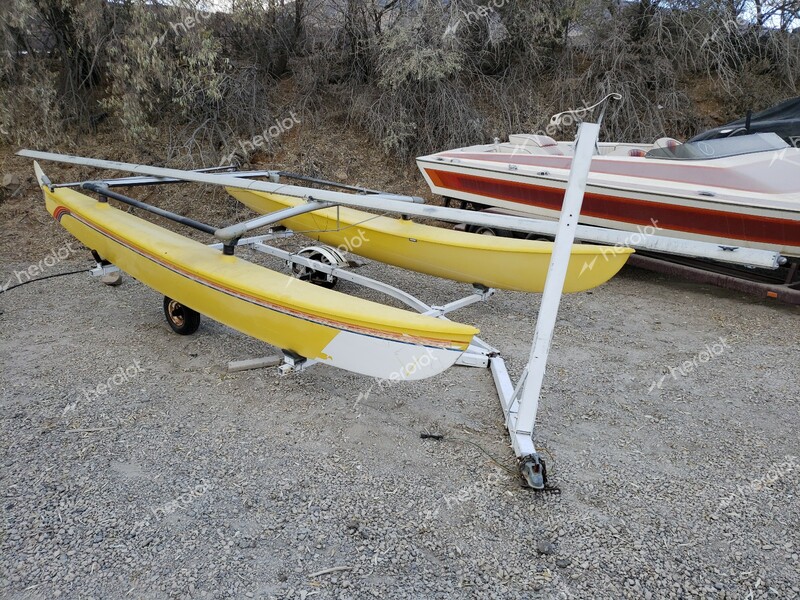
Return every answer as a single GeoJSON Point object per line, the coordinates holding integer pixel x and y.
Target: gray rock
{"type": "Point", "coordinates": [545, 547]}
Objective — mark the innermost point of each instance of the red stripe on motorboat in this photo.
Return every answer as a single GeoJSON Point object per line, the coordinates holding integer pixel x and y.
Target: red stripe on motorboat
{"type": "Point", "coordinates": [701, 221]}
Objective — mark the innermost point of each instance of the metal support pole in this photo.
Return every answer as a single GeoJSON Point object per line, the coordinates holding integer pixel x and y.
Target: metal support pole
{"type": "Point", "coordinates": [234, 232]}
{"type": "Point", "coordinates": [531, 465]}
{"type": "Point", "coordinates": [105, 193]}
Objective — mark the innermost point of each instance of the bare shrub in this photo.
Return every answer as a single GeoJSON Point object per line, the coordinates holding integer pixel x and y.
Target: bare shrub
{"type": "Point", "coordinates": [416, 76]}
{"type": "Point", "coordinates": [180, 76]}
{"type": "Point", "coordinates": [419, 99]}
{"type": "Point", "coordinates": [30, 110]}
{"type": "Point", "coordinates": [53, 54]}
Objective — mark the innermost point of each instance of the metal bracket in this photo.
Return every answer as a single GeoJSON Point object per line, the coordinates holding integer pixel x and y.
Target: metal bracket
{"type": "Point", "coordinates": [533, 471]}
{"type": "Point", "coordinates": [101, 270]}
{"type": "Point", "coordinates": [474, 357]}
{"type": "Point", "coordinates": [294, 363]}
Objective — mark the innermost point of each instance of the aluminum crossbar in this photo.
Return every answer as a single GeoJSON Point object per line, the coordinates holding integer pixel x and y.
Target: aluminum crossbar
{"type": "Point", "coordinates": [479, 295]}
{"type": "Point", "coordinates": [410, 205]}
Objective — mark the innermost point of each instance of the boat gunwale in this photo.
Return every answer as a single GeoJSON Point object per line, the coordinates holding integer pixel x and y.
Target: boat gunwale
{"type": "Point", "coordinates": [792, 199]}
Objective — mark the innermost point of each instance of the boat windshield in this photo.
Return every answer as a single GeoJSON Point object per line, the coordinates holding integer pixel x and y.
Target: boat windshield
{"type": "Point", "coordinates": [721, 148]}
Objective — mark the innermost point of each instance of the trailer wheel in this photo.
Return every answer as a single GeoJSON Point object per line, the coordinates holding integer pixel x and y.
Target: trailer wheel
{"type": "Point", "coordinates": [182, 319]}
{"type": "Point", "coordinates": [485, 231]}
{"type": "Point", "coordinates": [327, 255]}
{"type": "Point", "coordinates": [539, 238]}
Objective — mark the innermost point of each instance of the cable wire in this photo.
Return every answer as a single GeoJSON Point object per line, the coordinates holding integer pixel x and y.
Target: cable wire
{"type": "Point", "coordinates": [3, 290]}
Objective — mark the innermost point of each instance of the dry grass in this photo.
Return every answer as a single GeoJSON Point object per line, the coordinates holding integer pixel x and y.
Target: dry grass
{"type": "Point", "coordinates": [180, 85]}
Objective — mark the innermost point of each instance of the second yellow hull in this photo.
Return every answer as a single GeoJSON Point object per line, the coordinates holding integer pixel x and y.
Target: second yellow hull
{"type": "Point", "coordinates": [497, 262]}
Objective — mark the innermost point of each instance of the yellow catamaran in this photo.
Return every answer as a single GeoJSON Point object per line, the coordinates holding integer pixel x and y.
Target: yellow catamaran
{"type": "Point", "coordinates": [304, 320]}
{"type": "Point", "coordinates": [311, 321]}
{"type": "Point", "coordinates": [314, 324]}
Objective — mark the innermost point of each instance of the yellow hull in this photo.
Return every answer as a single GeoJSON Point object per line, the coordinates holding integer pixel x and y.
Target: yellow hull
{"type": "Point", "coordinates": [498, 262]}
{"type": "Point", "coordinates": [346, 332]}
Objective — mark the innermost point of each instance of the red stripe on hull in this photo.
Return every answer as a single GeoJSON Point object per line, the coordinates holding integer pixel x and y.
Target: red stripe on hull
{"type": "Point", "coordinates": [701, 221]}
{"type": "Point", "coordinates": [59, 212]}
{"type": "Point", "coordinates": [175, 267]}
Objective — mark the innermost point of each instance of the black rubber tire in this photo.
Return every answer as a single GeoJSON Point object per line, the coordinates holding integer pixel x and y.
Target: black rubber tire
{"type": "Point", "coordinates": [538, 237]}
{"type": "Point", "coordinates": [182, 319]}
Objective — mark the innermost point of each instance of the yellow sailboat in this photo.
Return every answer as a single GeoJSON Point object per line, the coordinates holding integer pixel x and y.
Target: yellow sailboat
{"type": "Point", "coordinates": [502, 263]}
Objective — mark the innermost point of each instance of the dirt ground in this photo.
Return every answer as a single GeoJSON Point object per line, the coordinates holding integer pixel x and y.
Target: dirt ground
{"type": "Point", "coordinates": [185, 481]}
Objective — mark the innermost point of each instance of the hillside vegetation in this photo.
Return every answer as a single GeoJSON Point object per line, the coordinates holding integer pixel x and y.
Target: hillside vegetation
{"type": "Point", "coordinates": [415, 75]}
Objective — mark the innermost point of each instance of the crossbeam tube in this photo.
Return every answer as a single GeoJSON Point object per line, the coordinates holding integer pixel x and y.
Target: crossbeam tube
{"type": "Point", "coordinates": [101, 189]}
{"type": "Point", "coordinates": [410, 205]}
{"type": "Point", "coordinates": [233, 232]}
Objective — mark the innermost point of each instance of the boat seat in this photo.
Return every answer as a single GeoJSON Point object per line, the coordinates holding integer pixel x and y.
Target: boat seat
{"type": "Point", "coordinates": [479, 148]}
{"type": "Point", "coordinates": [666, 142]}
{"type": "Point", "coordinates": [536, 144]}
{"type": "Point", "coordinates": [507, 148]}
{"type": "Point", "coordinates": [626, 151]}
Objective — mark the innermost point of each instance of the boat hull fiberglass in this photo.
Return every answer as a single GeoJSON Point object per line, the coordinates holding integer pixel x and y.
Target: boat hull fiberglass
{"type": "Point", "coordinates": [307, 320]}
{"type": "Point", "coordinates": [501, 263]}
{"type": "Point", "coordinates": [741, 191]}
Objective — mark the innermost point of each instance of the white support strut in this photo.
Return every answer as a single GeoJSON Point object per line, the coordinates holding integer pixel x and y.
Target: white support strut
{"type": "Point", "coordinates": [521, 424]}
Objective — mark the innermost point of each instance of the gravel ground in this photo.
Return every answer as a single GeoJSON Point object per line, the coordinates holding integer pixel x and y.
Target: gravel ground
{"type": "Point", "coordinates": [183, 481]}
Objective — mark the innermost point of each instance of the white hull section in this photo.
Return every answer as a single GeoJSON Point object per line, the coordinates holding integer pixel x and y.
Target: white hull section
{"type": "Point", "coordinates": [384, 359]}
